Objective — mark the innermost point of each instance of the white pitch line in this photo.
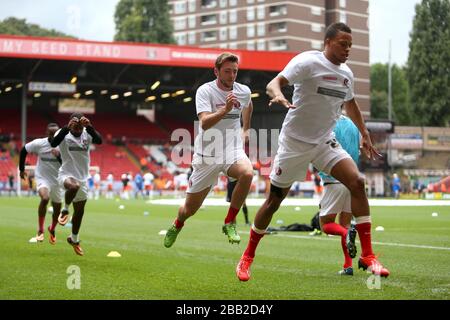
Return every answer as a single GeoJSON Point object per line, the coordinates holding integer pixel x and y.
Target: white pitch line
{"type": "Point", "coordinates": [374, 242]}
{"type": "Point", "coordinates": [307, 202]}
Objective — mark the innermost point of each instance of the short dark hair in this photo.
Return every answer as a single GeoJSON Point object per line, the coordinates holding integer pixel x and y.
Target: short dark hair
{"type": "Point", "coordinates": [52, 125]}
{"type": "Point", "coordinates": [226, 56]}
{"type": "Point", "coordinates": [333, 30]}
{"type": "Point", "coordinates": [77, 115]}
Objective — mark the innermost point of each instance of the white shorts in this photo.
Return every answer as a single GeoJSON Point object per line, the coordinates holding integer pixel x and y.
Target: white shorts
{"type": "Point", "coordinates": [82, 193]}
{"type": "Point", "coordinates": [205, 175]}
{"type": "Point", "coordinates": [54, 190]}
{"type": "Point", "coordinates": [293, 157]}
{"type": "Point", "coordinates": [336, 199]}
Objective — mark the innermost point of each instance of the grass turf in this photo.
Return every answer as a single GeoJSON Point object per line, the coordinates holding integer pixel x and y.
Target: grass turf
{"type": "Point", "coordinates": [201, 263]}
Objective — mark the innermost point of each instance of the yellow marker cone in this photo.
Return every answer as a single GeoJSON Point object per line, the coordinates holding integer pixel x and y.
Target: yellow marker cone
{"type": "Point", "coordinates": [114, 254]}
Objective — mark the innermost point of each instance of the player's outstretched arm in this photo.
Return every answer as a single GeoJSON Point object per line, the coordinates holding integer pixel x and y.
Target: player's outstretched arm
{"type": "Point", "coordinates": [273, 90]}
{"type": "Point", "coordinates": [210, 119]}
{"type": "Point", "coordinates": [57, 139]}
{"type": "Point", "coordinates": [355, 115]}
{"type": "Point", "coordinates": [23, 156]}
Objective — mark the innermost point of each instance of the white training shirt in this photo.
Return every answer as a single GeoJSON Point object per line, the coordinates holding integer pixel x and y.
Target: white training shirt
{"type": "Point", "coordinates": [148, 179]}
{"type": "Point", "coordinates": [320, 89]}
{"type": "Point", "coordinates": [47, 164]}
{"type": "Point", "coordinates": [210, 98]}
{"type": "Point", "coordinates": [75, 155]}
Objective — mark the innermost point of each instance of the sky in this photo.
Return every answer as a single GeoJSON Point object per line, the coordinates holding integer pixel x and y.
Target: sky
{"type": "Point", "coordinates": [94, 20]}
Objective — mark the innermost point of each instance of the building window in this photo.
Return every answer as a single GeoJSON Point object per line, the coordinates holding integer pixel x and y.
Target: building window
{"type": "Point", "coordinates": [261, 29]}
{"type": "Point", "coordinates": [233, 16]}
{"type": "Point", "coordinates": [223, 46]}
{"type": "Point", "coordinates": [232, 4]}
{"type": "Point", "coordinates": [180, 24]}
{"type": "Point", "coordinates": [209, 4]}
{"type": "Point", "coordinates": [180, 7]}
{"type": "Point", "coordinates": [278, 45]}
{"type": "Point", "coordinates": [223, 3]}
{"type": "Point", "coordinates": [342, 3]}
{"type": "Point", "coordinates": [250, 1]}
{"type": "Point", "coordinates": [316, 27]}
{"type": "Point", "coordinates": [278, 27]}
{"type": "Point", "coordinates": [261, 45]}
{"type": "Point", "coordinates": [181, 39]}
{"type": "Point", "coordinates": [191, 5]}
{"type": "Point", "coordinates": [251, 13]}
{"type": "Point", "coordinates": [223, 34]}
{"type": "Point", "coordinates": [250, 30]}
{"type": "Point", "coordinates": [278, 10]}
{"type": "Point", "coordinates": [233, 33]}
{"type": "Point", "coordinates": [316, 44]}
{"type": "Point", "coordinates": [208, 20]}
{"type": "Point", "coordinates": [251, 45]}
{"type": "Point", "coordinates": [343, 17]}
{"type": "Point", "coordinates": [316, 11]}
{"type": "Point", "coordinates": [223, 17]}
{"type": "Point", "coordinates": [208, 36]}
{"type": "Point", "coordinates": [260, 0]}
{"type": "Point", "coordinates": [233, 45]}
{"type": "Point", "coordinates": [191, 38]}
{"type": "Point", "coordinates": [191, 22]}
{"type": "Point", "coordinates": [261, 12]}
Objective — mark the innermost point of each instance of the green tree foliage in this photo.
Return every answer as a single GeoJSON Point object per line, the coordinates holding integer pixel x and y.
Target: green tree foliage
{"type": "Point", "coordinates": [14, 26]}
{"type": "Point", "coordinates": [429, 63]}
{"type": "Point", "coordinates": [401, 110]}
{"type": "Point", "coordinates": [143, 21]}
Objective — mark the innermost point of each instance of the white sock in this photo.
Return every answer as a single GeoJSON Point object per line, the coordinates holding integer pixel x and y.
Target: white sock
{"type": "Point", "coordinates": [74, 237]}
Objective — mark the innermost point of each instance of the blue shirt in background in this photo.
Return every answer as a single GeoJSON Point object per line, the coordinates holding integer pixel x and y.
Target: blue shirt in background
{"type": "Point", "coordinates": [347, 134]}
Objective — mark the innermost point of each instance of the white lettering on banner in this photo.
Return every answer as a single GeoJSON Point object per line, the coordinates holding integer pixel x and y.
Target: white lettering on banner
{"type": "Point", "coordinates": [48, 48]}
{"type": "Point", "coordinates": [106, 51]}
{"type": "Point", "coordinates": [12, 46]}
{"type": "Point", "coordinates": [194, 55]}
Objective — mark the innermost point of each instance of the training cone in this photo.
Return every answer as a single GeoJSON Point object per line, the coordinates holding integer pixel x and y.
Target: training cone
{"type": "Point", "coordinates": [114, 254]}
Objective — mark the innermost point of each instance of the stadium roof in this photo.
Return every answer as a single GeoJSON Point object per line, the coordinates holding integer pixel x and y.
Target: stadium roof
{"type": "Point", "coordinates": [133, 53]}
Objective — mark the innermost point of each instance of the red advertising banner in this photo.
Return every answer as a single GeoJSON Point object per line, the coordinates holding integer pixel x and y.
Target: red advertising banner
{"type": "Point", "coordinates": [121, 52]}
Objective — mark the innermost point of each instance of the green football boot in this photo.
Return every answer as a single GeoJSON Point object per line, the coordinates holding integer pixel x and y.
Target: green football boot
{"type": "Point", "coordinates": [171, 236]}
{"type": "Point", "coordinates": [230, 230]}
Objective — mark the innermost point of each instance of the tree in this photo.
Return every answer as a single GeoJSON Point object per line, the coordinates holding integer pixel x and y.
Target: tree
{"type": "Point", "coordinates": [143, 21]}
{"type": "Point", "coordinates": [16, 26]}
{"type": "Point", "coordinates": [401, 109]}
{"type": "Point", "coordinates": [429, 63]}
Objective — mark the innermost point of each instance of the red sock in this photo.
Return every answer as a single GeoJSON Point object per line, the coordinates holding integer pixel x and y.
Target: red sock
{"type": "Point", "coordinates": [41, 223]}
{"type": "Point", "coordinates": [231, 216]}
{"type": "Point", "coordinates": [334, 228]}
{"type": "Point", "coordinates": [252, 243]}
{"type": "Point", "coordinates": [337, 229]}
{"type": "Point", "coordinates": [178, 224]}
{"type": "Point", "coordinates": [365, 238]}
{"type": "Point", "coordinates": [54, 223]}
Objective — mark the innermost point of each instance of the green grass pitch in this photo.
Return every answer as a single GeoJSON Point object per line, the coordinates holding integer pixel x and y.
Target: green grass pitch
{"type": "Point", "coordinates": [201, 265]}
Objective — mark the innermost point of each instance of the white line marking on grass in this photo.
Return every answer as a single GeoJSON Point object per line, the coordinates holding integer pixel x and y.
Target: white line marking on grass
{"type": "Point", "coordinates": [373, 242]}
{"type": "Point", "coordinates": [309, 202]}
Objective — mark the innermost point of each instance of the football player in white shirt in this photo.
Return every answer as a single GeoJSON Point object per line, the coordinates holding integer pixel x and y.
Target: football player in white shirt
{"type": "Point", "coordinates": [46, 174]}
{"type": "Point", "coordinates": [74, 142]}
{"type": "Point", "coordinates": [322, 83]}
{"type": "Point", "coordinates": [218, 147]}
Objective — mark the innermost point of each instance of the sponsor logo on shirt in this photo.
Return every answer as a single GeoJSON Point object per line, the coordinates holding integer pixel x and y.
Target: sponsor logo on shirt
{"type": "Point", "coordinates": [49, 159]}
{"type": "Point", "coordinates": [331, 92]}
{"type": "Point", "coordinates": [78, 148]}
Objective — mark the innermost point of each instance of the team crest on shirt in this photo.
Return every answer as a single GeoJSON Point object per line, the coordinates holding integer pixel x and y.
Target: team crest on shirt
{"type": "Point", "coordinates": [279, 171]}
{"type": "Point", "coordinates": [346, 81]}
